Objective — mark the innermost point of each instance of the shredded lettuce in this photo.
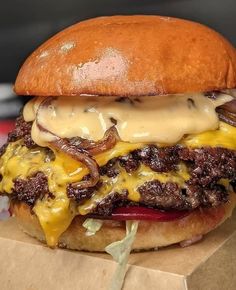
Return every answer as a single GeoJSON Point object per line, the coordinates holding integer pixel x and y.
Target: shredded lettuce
{"type": "Point", "coordinates": [4, 208]}
{"type": "Point", "coordinates": [4, 203]}
{"type": "Point", "coordinates": [92, 226]}
{"type": "Point", "coordinates": [120, 252]}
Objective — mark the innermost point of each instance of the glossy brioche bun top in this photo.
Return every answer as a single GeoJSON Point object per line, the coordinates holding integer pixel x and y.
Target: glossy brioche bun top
{"type": "Point", "coordinates": [130, 56]}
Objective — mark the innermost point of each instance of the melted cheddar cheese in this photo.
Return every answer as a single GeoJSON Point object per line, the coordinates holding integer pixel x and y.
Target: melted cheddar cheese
{"type": "Point", "coordinates": [131, 182]}
{"type": "Point", "coordinates": [55, 215]}
{"type": "Point", "coordinates": [224, 137]}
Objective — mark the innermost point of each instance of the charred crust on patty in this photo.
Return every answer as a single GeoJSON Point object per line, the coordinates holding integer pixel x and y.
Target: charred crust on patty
{"type": "Point", "coordinates": [208, 165]}
{"type": "Point", "coordinates": [111, 201]}
{"type": "Point", "coordinates": [22, 131]}
{"type": "Point", "coordinates": [170, 196]}
{"type": "Point", "coordinates": [162, 159]}
{"type": "Point", "coordinates": [3, 149]}
{"type": "Point", "coordinates": [110, 169]}
{"type": "Point", "coordinates": [81, 194]}
{"type": "Point", "coordinates": [31, 189]}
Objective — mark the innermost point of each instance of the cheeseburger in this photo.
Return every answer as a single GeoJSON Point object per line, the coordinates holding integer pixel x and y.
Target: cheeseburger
{"type": "Point", "coordinates": [131, 131]}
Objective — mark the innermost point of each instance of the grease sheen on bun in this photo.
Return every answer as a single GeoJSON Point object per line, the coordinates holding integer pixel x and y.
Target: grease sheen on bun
{"type": "Point", "coordinates": [130, 55]}
{"type": "Point", "coordinates": [150, 234]}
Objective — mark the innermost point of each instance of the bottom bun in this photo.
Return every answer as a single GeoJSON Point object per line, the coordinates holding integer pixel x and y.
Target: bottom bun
{"type": "Point", "coordinates": [150, 234]}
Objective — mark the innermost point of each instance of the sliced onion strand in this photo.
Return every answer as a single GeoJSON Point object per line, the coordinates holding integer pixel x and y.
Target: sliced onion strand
{"type": "Point", "coordinates": [227, 112]}
{"type": "Point", "coordinates": [76, 153]}
{"type": "Point", "coordinates": [108, 142]}
{"type": "Point", "coordinates": [89, 162]}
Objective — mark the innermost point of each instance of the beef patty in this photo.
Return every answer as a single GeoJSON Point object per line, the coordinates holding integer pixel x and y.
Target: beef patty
{"type": "Point", "coordinates": [206, 166]}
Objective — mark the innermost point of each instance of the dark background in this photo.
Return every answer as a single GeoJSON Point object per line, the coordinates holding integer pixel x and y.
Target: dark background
{"type": "Point", "coordinates": [24, 24]}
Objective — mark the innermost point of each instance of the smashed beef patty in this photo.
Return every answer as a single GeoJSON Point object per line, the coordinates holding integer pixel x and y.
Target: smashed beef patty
{"type": "Point", "coordinates": [206, 167]}
{"type": "Point", "coordinates": [195, 193]}
{"type": "Point", "coordinates": [205, 164]}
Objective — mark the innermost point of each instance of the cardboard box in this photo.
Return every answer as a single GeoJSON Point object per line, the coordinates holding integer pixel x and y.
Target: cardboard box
{"type": "Point", "coordinates": [28, 265]}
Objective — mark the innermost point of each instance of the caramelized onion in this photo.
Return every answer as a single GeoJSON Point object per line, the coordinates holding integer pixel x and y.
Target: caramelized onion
{"type": "Point", "coordinates": [81, 156]}
{"type": "Point", "coordinates": [76, 153]}
{"type": "Point", "coordinates": [227, 117]}
{"type": "Point", "coordinates": [227, 112]}
{"type": "Point", "coordinates": [229, 106]}
{"type": "Point", "coordinates": [93, 148]}
{"type": "Point", "coordinates": [108, 142]}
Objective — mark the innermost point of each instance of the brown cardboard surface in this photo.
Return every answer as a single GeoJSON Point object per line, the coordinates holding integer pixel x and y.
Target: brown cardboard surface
{"type": "Point", "coordinates": [26, 264]}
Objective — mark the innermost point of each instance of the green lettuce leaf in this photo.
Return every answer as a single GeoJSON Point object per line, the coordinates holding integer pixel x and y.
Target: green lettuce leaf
{"type": "Point", "coordinates": [120, 252]}
{"type": "Point", "coordinates": [92, 226]}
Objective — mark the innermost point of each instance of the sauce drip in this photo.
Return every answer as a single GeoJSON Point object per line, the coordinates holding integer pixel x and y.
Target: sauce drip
{"type": "Point", "coordinates": [159, 119]}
